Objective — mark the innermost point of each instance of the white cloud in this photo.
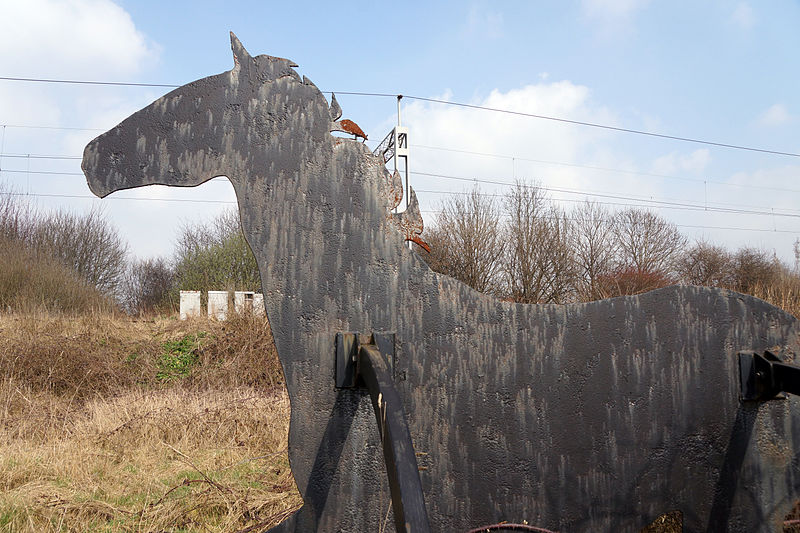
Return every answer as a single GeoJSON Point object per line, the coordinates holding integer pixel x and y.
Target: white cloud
{"type": "Point", "coordinates": [30, 107]}
{"type": "Point", "coordinates": [529, 149]}
{"type": "Point", "coordinates": [612, 16]}
{"type": "Point", "coordinates": [775, 115]}
{"type": "Point", "coordinates": [570, 157]}
{"type": "Point", "coordinates": [74, 39]}
{"type": "Point", "coordinates": [743, 16]}
{"type": "Point", "coordinates": [694, 163]}
{"type": "Point", "coordinates": [66, 39]}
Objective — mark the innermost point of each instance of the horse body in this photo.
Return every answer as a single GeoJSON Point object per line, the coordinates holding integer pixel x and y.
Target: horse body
{"type": "Point", "coordinates": [583, 417]}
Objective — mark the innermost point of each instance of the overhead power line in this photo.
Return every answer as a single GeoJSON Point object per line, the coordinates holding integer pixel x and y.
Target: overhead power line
{"type": "Point", "coordinates": [486, 154]}
{"type": "Point", "coordinates": [687, 207]}
{"type": "Point", "coordinates": [126, 198]}
{"type": "Point", "coordinates": [500, 156]}
{"type": "Point", "coordinates": [605, 126]}
{"type": "Point", "coordinates": [647, 201]}
{"type": "Point", "coordinates": [451, 103]}
{"type": "Point", "coordinates": [41, 156]}
{"type": "Point", "coordinates": [85, 82]}
{"type": "Point", "coordinates": [185, 200]}
{"type": "Point", "coordinates": [650, 202]}
{"type": "Point", "coordinates": [35, 127]}
{"type": "Point", "coordinates": [765, 230]}
{"type": "Point", "coordinates": [606, 169]}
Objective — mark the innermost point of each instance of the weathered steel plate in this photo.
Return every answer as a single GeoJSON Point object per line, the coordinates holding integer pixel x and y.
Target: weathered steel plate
{"type": "Point", "coordinates": [589, 417]}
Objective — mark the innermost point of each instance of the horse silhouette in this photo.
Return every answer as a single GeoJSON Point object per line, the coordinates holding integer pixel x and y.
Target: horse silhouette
{"type": "Point", "coordinates": [595, 416]}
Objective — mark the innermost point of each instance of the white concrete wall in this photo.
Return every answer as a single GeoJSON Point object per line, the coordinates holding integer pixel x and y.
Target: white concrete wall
{"type": "Point", "coordinates": [258, 304]}
{"type": "Point", "coordinates": [243, 302]}
{"type": "Point", "coordinates": [218, 304]}
{"type": "Point", "coordinates": [190, 304]}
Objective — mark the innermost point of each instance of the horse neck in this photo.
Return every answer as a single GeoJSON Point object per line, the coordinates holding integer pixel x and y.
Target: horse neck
{"type": "Point", "coordinates": [320, 222]}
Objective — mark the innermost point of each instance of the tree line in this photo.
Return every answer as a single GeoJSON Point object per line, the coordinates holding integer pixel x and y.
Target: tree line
{"type": "Point", "coordinates": [519, 246]}
{"type": "Point", "coordinates": [522, 247]}
{"type": "Point", "coordinates": [60, 260]}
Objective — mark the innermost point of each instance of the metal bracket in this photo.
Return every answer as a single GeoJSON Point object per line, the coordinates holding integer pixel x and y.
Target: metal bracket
{"type": "Point", "coordinates": [368, 360]}
{"type": "Point", "coordinates": [765, 377]}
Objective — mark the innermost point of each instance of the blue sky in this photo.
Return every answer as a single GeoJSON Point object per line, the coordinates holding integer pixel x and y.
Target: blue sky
{"type": "Point", "coordinates": [715, 70]}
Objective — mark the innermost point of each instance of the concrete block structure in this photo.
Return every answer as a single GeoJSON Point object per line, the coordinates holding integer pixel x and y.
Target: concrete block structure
{"type": "Point", "coordinates": [218, 304]}
{"type": "Point", "coordinates": [258, 304]}
{"type": "Point", "coordinates": [243, 302]}
{"type": "Point", "coordinates": [190, 304]}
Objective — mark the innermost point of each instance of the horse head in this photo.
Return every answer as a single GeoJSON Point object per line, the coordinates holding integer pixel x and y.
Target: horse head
{"type": "Point", "coordinates": [198, 131]}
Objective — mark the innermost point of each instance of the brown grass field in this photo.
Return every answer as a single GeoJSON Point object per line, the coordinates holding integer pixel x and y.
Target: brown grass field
{"type": "Point", "coordinates": [113, 424]}
{"type": "Point", "coordinates": [110, 423]}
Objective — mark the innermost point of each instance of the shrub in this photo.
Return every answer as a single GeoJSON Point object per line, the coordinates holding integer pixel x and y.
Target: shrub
{"type": "Point", "coordinates": [149, 286]}
{"type": "Point", "coordinates": [87, 244]}
{"type": "Point", "coordinates": [215, 256]}
{"type": "Point", "coordinates": [31, 281]}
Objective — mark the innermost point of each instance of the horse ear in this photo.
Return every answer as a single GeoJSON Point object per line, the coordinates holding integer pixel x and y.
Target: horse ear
{"type": "Point", "coordinates": [335, 109]}
{"type": "Point", "coordinates": [239, 52]}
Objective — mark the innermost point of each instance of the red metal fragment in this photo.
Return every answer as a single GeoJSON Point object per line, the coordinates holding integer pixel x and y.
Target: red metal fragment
{"type": "Point", "coordinates": [348, 126]}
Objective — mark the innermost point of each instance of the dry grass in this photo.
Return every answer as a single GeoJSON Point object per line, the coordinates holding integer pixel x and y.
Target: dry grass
{"type": "Point", "coordinates": [783, 292]}
{"type": "Point", "coordinates": [152, 425]}
{"type": "Point", "coordinates": [31, 282]}
{"type": "Point", "coordinates": [91, 439]}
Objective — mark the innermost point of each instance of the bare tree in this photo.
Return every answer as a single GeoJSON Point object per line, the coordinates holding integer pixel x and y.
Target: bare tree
{"type": "Point", "coordinates": [754, 269]}
{"type": "Point", "coordinates": [705, 264]}
{"type": "Point", "coordinates": [594, 248]}
{"type": "Point", "coordinates": [16, 216]}
{"type": "Point", "coordinates": [87, 243]}
{"type": "Point", "coordinates": [149, 285]}
{"type": "Point", "coordinates": [646, 242]}
{"type": "Point", "coordinates": [466, 240]}
{"type": "Point", "coordinates": [539, 266]}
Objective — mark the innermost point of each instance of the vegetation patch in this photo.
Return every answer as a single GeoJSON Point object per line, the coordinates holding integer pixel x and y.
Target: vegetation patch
{"type": "Point", "coordinates": [179, 357]}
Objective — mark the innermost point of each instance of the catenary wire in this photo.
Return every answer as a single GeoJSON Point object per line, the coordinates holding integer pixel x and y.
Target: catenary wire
{"type": "Point", "coordinates": [694, 226]}
{"type": "Point", "coordinates": [456, 104]}
{"type": "Point", "coordinates": [644, 202]}
{"type": "Point", "coordinates": [606, 127]}
{"type": "Point", "coordinates": [608, 169]}
{"type": "Point", "coordinates": [687, 207]}
{"type": "Point", "coordinates": [429, 211]}
{"type": "Point", "coordinates": [509, 157]}
{"type": "Point", "coordinates": [499, 156]}
{"type": "Point", "coordinates": [126, 198]}
{"type": "Point", "coordinates": [603, 195]}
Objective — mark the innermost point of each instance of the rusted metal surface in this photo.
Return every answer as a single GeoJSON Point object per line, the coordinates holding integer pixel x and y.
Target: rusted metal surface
{"type": "Point", "coordinates": [578, 418]}
{"type": "Point", "coordinates": [348, 126]}
{"type": "Point", "coordinates": [410, 222]}
{"type": "Point", "coordinates": [394, 188]}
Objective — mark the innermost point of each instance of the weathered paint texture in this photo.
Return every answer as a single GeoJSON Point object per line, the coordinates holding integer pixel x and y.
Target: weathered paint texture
{"type": "Point", "coordinates": [586, 417]}
{"type": "Point", "coordinates": [190, 304]}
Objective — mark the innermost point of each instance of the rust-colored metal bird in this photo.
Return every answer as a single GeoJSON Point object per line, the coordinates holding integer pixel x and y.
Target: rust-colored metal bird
{"type": "Point", "coordinates": [345, 125]}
